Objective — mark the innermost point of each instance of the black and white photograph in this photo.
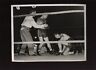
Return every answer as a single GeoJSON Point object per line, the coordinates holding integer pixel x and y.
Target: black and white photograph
{"type": "Point", "coordinates": [48, 33]}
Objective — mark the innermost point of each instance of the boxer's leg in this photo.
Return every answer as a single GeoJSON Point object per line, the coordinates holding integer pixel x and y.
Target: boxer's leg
{"type": "Point", "coordinates": [48, 44]}
{"type": "Point", "coordinates": [28, 38]}
{"type": "Point", "coordinates": [60, 47]}
{"type": "Point", "coordinates": [41, 44]}
{"type": "Point", "coordinates": [23, 46]}
{"type": "Point", "coordinates": [66, 50]}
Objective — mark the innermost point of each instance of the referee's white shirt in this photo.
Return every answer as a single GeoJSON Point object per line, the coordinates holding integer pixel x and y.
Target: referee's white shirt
{"type": "Point", "coordinates": [29, 22]}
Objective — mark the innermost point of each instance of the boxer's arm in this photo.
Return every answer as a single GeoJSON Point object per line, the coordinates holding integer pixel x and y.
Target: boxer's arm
{"type": "Point", "coordinates": [35, 25]}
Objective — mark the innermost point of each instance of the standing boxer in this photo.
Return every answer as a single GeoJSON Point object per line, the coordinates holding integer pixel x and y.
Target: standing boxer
{"type": "Point", "coordinates": [42, 34]}
{"type": "Point", "coordinates": [28, 23]}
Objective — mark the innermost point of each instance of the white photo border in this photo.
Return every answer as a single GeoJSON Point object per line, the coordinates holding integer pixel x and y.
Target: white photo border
{"type": "Point", "coordinates": [27, 5]}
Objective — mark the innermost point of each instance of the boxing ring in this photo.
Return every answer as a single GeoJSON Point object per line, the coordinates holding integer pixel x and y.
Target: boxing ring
{"type": "Point", "coordinates": [50, 13]}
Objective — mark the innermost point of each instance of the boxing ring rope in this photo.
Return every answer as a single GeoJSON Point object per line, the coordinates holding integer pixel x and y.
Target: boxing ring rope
{"type": "Point", "coordinates": [51, 13]}
{"type": "Point", "coordinates": [72, 41]}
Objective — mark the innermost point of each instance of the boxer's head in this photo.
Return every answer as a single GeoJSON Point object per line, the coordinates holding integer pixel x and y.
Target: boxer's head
{"type": "Point", "coordinates": [57, 35]}
{"type": "Point", "coordinates": [33, 13]}
{"type": "Point", "coordinates": [44, 16]}
{"type": "Point", "coordinates": [40, 22]}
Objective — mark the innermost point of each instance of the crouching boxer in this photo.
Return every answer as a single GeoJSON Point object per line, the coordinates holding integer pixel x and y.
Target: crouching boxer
{"type": "Point", "coordinates": [63, 46]}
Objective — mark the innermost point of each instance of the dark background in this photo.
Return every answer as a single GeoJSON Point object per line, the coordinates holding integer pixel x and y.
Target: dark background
{"type": "Point", "coordinates": [5, 47]}
{"type": "Point", "coordinates": [70, 23]}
